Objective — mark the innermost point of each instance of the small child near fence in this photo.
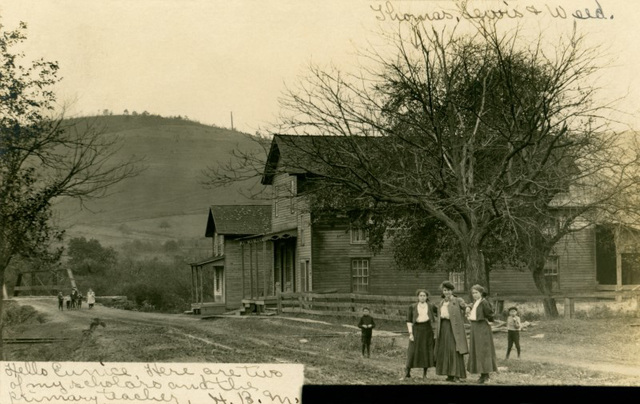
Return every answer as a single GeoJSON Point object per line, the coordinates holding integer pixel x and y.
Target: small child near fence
{"type": "Point", "coordinates": [513, 330]}
{"type": "Point", "coordinates": [366, 324]}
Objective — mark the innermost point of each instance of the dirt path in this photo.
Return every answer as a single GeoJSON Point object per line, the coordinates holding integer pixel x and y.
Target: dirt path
{"type": "Point", "coordinates": [219, 334]}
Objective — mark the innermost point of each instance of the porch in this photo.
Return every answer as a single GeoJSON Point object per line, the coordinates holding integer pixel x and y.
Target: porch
{"type": "Point", "coordinates": [207, 286]}
{"type": "Point", "coordinates": [268, 267]}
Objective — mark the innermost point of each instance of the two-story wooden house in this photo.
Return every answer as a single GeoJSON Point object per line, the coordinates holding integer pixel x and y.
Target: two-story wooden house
{"type": "Point", "coordinates": [259, 251]}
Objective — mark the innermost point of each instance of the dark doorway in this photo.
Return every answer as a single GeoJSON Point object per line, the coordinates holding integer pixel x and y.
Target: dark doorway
{"type": "Point", "coordinates": [284, 265]}
{"type": "Point", "coordinates": [605, 255]}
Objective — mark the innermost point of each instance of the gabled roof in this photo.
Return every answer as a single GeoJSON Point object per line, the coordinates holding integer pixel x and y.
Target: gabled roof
{"type": "Point", "coordinates": [301, 154]}
{"type": "Point", "coordinates": [238, 220]}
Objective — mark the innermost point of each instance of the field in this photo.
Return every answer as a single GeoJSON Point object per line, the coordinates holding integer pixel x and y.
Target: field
{"type": "Point", "coordinates": [582, 352]}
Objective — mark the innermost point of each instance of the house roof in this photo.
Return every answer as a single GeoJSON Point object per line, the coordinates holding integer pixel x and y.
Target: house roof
{"type": "Point", "coordinates": [300, 154]}
{"type": "Point", "coordinates": [207, 261]}
{"type": "Point", "coordinates": [238, 219]}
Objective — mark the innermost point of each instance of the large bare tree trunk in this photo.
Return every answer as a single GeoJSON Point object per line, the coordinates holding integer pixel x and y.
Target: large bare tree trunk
{"type": "Point", "coordinates": [549, 302]}
{"type": "Point", "coordinates": [474, 266]}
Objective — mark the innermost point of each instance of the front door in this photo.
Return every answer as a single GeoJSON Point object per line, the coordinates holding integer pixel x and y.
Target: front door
{"type": "Point", "coordinates": [605, 256]}
{"type": "Point", "coordinates": [284, 274]}
{"type": "Point", "coordinates": [218, 284]}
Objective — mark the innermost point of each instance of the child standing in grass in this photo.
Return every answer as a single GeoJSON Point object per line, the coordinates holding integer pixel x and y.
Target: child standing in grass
{"type": "Point", "coordinates": [513, 330]}
{"type": "Point", "coordinates": [367, 325]}
{"type": "Point", "coordinates": [60, 301]}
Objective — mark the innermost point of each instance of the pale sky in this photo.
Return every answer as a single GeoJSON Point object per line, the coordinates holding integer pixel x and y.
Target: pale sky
{"type": "Point", "coordinates": [204, 59]}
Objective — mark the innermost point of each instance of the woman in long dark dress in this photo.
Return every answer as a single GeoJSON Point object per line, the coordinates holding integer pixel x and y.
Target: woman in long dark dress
{"type": "Point", "coordinates": [451, 345]}
{"type": "Point", "coordinates": [421, 323]}
{"type": "Point", "coordinates": [482, 352]}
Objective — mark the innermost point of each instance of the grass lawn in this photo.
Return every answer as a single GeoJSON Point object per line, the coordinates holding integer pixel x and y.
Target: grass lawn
{"type": "Point", "coordinates": [580, 352]}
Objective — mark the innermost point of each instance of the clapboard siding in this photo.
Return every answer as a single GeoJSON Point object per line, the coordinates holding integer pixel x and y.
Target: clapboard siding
{"type": "Point", "coordinates": [260, 261]}
{"type": "Point", "coordinates": [577, 261]}
{"type": "Point", "coordinates": [576, 268]}
{"type": "Point", "coordinates": [233, 270]}
{"type": "Point", "coordinates": [509, 282]}
{"type": "Point", "coordinates": [332, 254]}
{"type": "Point", "coordinates": [232, 274]}
{"type": "Point", "coordinates": [285, 219]}
{"type": "Point", "coordinates": [303, 248]}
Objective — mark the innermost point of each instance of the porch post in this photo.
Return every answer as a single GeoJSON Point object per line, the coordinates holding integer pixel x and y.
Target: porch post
{"type": "Point", "coordinates": [254, 254]}
{"type": "Point", "coordinates": [193, 289]}
{"type": "Point", "coordinates": [264, 264]}
{"type": "Point", "coordinates": [251, 269]}
{"type": "Point", "coordinates": [617, 243]}
{"type": "Point", "coordinates": [201, 286]}
{"type": "Point", "coordinates": [242, 265]}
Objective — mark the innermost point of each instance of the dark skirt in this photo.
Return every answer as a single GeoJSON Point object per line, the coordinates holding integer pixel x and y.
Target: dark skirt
{"type": "Point", "coordinates": [449, 362]}
{"type": "Point", "coordinates": [482, 352]}
{"type": "Point", "coordinates": [420, 353]}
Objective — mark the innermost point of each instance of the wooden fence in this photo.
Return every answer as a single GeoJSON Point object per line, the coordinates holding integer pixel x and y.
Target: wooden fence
{"type": "Point", "coordinates": [345, 304]}
{"type": "Point", "coordinates": [395, 307]}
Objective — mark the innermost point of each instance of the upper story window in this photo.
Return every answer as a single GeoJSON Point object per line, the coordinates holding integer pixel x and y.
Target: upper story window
{"type": "Point", "coordinates": [359, 235]}
{"type": "Point", "coordinates": [292, 194]}
{"type": "Point", "coordinates": [218, 244]}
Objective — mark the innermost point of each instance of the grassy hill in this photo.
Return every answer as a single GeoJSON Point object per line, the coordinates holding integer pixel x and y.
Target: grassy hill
{"type": "Point", "coordinates": [165, 201]}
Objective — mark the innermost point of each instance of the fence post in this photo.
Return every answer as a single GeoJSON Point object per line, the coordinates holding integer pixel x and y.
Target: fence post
{"type": "Point", "coordinates": [279, 301]}
{"type": "Point", "coordinates": [499, 307]}
{"type": "Point", "coordinates": [569, 307]}
{"type": "Point", "coordinates": [300, 301]}
{"type": "Point", "coordinates": [353, 302]}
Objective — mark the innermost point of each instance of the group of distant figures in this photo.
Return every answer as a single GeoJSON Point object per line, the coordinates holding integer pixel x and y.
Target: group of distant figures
{"type": "Point", "coordinates": [75, 298]}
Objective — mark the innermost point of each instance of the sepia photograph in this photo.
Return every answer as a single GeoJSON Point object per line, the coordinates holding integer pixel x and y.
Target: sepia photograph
{"type": "Point", "coordinates": [281, 201]}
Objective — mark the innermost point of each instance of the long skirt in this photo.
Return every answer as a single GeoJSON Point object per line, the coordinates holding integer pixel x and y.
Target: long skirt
{"type": "Point", "coordinates": [482, 352]}
{"type": "Point", "coordinates": [449, 362]}
{"type": "Point", "coordinates": [420, 353]}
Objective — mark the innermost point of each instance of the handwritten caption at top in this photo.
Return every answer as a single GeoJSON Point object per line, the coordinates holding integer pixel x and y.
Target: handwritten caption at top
{"type": "Point", "coordinates": [387, 11]}
{"type": "Point", "coordinates": [190, 383]}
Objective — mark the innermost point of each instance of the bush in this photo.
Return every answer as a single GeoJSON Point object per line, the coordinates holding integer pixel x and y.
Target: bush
{"type": "Point", "coordinates": [607, 310]}
{"type": "Point", "coordinates": [16, 315]}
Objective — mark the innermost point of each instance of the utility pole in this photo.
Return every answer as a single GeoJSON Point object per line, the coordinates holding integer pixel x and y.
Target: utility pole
{"type": "Point", "coordinates": [231, 120]}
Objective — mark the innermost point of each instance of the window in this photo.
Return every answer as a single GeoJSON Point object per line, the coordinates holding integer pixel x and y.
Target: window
{"type": "Point", "coordinates": [218, 244]}
{"type": "Point", "coordinates": [302, 241]}
{"type": "Point", "coordinates": [551, 272]}
{"type": "Point", "coordinates": [218, 282]}
{"type": "Point", "coordinates": [305, 272]}
{"type": "Point", "coordinates": [276, 208]}
{"type": "Point", "coordinates": [360, 275]}
{"type": "Point", "coordinates": [359, 235]}
{"type": "Point", "coordinates": [457, 278]}
{"type": "Point", "coordinates": [292, 194]}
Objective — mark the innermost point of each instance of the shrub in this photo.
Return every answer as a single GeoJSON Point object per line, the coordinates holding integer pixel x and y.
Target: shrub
{"type": "Point", "coordinates": [14, 314]}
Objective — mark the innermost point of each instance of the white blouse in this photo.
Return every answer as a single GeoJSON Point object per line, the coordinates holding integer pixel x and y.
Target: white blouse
{"type": "Point", "coordinates": [423, 313]}
{"type": "Point", "coordinates": [444, 311]}
{"type": "Point", "coordinates": [472, 315]}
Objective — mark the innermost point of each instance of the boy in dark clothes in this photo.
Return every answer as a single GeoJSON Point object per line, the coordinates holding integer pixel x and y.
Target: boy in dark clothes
{"type": "Point", "coordinates": [367, 325]}
{"type": "Point", "coordinates": [513, 330]}
{"type": "Point", "coordinates": [60, 301]}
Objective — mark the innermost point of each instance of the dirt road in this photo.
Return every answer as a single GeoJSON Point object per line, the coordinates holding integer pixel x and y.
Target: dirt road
{"type": "Point", "coordinates": [329, 351]}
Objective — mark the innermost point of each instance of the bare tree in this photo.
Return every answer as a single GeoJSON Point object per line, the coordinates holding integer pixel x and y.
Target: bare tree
{"type": "Point", "coordinates": [481, 132]}
{"type": "Point", "coordinates": [43, 156]}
